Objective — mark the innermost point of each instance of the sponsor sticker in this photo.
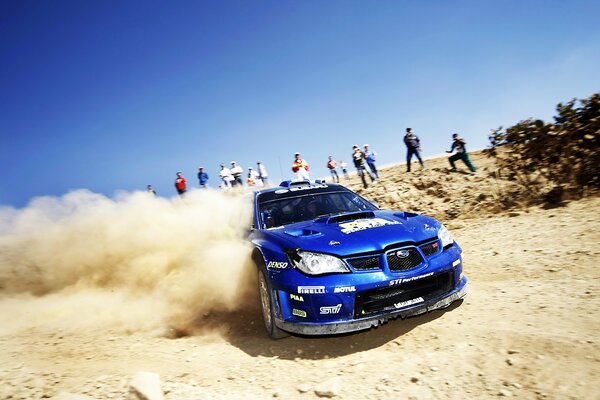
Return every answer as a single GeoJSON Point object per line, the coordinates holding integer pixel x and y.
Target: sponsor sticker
{"type": "Point", "coordinates": [330, 309]}
{"type": "Point", "coordinates": [408, 302]}
{"type": "Point", "coordinates": [298, 313]}
{"type": "Point", "coordinates": [277, 265]}
{"type": "Point", "coordinates": [362, 224]}
{"type": "Point", "coordinates": [456, 262]}
{"type": "Point", "coordinates": [395, 282]}
{"type": "Point", "coordinates": [311, 289]}
{"type": "Point", "coordinates": [344, 289]}
{"type": "Point", "coordinates": [296, 297]}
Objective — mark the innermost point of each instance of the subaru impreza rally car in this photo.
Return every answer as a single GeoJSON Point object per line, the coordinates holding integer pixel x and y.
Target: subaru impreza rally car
{"type": "Point", "coordinates": [330, 261]}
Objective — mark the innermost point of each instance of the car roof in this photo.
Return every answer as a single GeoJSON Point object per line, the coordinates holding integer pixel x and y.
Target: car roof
{"type": "Point", "coordinates": [306, 184]}
{"type": "Point", "coordinates": [305, 187]}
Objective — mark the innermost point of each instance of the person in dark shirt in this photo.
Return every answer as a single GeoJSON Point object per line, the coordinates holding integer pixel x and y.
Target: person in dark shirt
{"type": "Point", "coordinates": [150, 190]}
{"type": "Point", "coordinates": [458, 144]}
{"type": "Point", "coordinates": [413, 146]}
{"type": "Point", "coordinates": [358, 156]}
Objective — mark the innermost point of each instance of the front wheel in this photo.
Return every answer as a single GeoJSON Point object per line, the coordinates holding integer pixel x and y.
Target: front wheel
{"type": "Point", "coordinates": [266, 302]}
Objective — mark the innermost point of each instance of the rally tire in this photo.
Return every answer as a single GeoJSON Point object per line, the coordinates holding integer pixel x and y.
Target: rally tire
{"type": "Point", "coordinates": [267, 303]}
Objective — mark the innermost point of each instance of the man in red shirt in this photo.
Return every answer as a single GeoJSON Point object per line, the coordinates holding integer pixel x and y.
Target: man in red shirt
{"type": "Point", "coordinates": [180, 184]}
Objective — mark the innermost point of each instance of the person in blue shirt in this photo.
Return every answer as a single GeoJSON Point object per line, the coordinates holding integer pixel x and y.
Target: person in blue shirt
{"type": "Point", "coordinates": [202, 178]}
{"type": "Point", "coordinates": [370, 156]}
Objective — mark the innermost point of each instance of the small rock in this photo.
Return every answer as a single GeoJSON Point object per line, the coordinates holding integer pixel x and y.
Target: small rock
{"type": "Point", "coordinates": [512, 351]}
{"type": "Point", "coordinates": [146, 386]}
{"type": "Point", "coordinates": [414, 379]}
{"type": "Point", "coordinates": [303, 388]}
{"type": "Point", "coordinates": [513, 214]}
{"type": "Point", "coordinates": [329, 388]}
{"type": "Point", "coordinates": [509, 361]}
{"type": "Point", "coordinates": [517, 385]}
{"type": "Point", "coordinates": [505, 393]}
{"type": "Point", "coordinates": [434, 369]}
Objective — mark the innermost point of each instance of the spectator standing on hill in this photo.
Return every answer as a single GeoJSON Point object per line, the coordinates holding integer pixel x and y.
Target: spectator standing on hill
{"type": "Point", "coordinates": [458, 144]}
{"type": "Point", "coordinates": [300, 167]}
{"type": "Point", "coordinates": [413, 146]}
{"type": "Point", "coordinates": [344, 167]}
{"type": "Point", "coordinates": [262, 173]}
{"type": "Point", "coordinates": [237, 173]}
{"type": "Point", "coordinates": [331, 164]}
{"type": "Point", "coordinates": [202, 178]}
{"type": "Point", "coordinates": [371, 156]}
{"type": "Point", "coordinates": [150, 190]}
{"type": "Point", "coordinates": [180, 184]}
{"type": "Point", "coordinates": [358, 156]}
{"type": "Point", "coordinates": [253, 178]}
{"type": "Point", "coordinates": [226, 177]}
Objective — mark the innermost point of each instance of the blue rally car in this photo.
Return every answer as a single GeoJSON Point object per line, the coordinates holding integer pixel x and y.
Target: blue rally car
{"type": "Point", "coordinates": [330, 261]}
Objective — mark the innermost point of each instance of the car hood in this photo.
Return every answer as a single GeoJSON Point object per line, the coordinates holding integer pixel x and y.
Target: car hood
{"type": "Point", "coordinates": [355, 233]}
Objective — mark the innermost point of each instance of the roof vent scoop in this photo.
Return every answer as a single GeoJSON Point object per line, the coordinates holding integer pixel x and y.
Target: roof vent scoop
{"type": "Point", "coordinates": [335, 219]}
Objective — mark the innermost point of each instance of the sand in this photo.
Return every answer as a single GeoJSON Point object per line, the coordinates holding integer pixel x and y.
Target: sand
{"type": "Point", "coordinates": [528, 328]}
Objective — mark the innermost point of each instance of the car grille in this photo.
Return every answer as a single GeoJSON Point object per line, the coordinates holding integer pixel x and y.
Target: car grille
{"type": "Point", "coordinates": [377, 300]}
{"type": "Point", "coordinates": [412, 259]}
{"type": "Point", "coordinates": [430, 248]}
{"type": "Point", "coordinates": [365, 263]}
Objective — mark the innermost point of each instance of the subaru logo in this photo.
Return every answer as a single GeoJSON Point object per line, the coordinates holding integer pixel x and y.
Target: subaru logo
{"type": "Point", "coordinates": [402, 253]}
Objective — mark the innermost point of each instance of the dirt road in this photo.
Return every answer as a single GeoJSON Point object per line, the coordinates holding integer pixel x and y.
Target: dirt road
{"type": "Point", "coordinates": [528, 328]}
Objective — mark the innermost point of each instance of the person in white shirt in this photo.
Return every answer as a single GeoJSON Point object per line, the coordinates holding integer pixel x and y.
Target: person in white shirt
{"type": "Point", "coordinates": [237, 173]}
{"type": "Point", "coordinates": [262, 172]}
{"type": "Point", "coordinates": [226, 176]}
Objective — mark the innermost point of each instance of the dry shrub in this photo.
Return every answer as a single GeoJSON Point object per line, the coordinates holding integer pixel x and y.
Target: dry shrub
{"type": "Point", "coordinates": [552, 161]}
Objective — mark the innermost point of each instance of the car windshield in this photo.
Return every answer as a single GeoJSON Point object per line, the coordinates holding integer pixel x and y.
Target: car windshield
{"type": "Point", "coordinates": [308, 206]}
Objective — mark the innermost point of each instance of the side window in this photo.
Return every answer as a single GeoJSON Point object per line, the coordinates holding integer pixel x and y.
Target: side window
{"type": "Point", "coordinates": [359, 203]}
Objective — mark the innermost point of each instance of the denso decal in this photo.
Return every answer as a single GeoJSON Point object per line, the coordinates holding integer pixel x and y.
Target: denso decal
{"type": "Point", "coordinates": [311, 289]}
{"type": "Point", "coordinates": [362, 224]}
{"type": "Point", "coordinates": [345, 289]}
{"type": "Point", "coordinates": [330, 309]}
{"type": "Point", "coordinates": [298, 313]}
{"type": "Point", "coordinates": [408, 302]}
{"type": "Point", "coordinates": [296, 297]}
{"type": "Point", "coordinates": [412, 278]}
{"type": "Point", "coordinates": [277, 265]}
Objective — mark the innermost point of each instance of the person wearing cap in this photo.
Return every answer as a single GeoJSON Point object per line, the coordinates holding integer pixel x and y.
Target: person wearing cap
{"type": "Point", "coordinates": [300, 167]}
{"type": "Point", "coordinates": [413, 146]}
{"type": "Point", "coordinates": [262, 173]}
{"type": "Point", "coordinates": [202, 178]}
{"type": "Point", "coordinates": [358, 156]}
{"type": "Point", "coordinates": [180, 184]}
{"type": "Point", "coordinates": [237, 172]}
{"type": "Point", "coordinates": [332, 165]}
{"type": "Point", "coordinates": [370, 157]}
{"type": "Point", "coordinates": [226, 177]}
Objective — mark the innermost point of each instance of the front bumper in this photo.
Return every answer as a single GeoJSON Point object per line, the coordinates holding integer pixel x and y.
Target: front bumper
{"type": "Point", "coordinates": [326, 328]}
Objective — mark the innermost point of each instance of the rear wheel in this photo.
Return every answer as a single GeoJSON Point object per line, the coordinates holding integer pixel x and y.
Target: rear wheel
{"type": "Point", "coordinates": [266, 302]}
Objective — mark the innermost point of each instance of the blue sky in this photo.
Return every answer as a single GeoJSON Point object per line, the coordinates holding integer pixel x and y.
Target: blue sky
{"type": "Point", "coordinates": [113, 95]}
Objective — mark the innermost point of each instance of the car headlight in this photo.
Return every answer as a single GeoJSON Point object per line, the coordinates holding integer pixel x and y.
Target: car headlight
{"type": "Point", "coordinates": [445, 236]}
{"type": "Point", "coordinates": [317, 263]}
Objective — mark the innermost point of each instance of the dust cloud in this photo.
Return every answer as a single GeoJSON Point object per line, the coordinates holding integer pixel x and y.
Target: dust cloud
{"type": "Point", "coordinates": [135, 263]}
